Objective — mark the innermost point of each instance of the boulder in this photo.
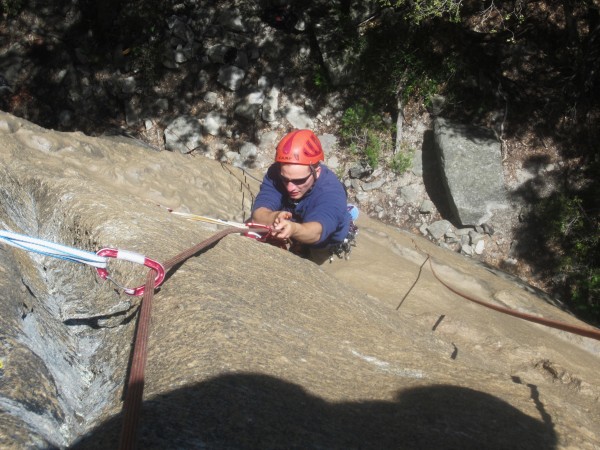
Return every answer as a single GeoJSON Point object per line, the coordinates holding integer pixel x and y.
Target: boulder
{"type": "Point", "coordinates": [297, 117]}
{"type": "Point", "coordinates": [472, 171]}
{"type": "Point", "coordinates": [184, 134]}
{"type": "Point", "coordinates": [270, 105]}
{"type": "Point", "coordinates": [231, 77]}
{"type": "Point", "coordinates": [251, 346]}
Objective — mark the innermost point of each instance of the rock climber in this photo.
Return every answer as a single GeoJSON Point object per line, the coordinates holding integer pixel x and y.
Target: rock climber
{"type": "Point", "coordinates": [303, 200]}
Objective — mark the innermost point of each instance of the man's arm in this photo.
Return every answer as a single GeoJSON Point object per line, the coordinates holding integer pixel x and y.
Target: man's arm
{"type": "Point", "coordinates": [305, 233]}
{"type": "Point", "coordinates": [265, 216]}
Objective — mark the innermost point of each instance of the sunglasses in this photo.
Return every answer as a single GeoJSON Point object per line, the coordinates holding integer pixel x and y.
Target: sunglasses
{"type": "Point", "coordinates": [295, 181]}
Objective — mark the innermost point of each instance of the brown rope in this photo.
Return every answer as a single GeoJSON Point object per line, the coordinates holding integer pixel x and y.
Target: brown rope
{"type": "Point", "coordinates": [593, 333]}
{"type": "Point", "coordinates": [201, 246]}
{"type": "Point", "coordinates": [135, 386]}
{"type": "Point", "coordinates": [132, 404]}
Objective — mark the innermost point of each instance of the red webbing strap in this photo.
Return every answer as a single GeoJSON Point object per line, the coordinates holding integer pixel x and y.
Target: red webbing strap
{"type": "Point", "coordinates": [204, 244]}
{"type": "Point", "coordinates": [132, 404]}
{"type": "Point", "coordinates": [593, 333]}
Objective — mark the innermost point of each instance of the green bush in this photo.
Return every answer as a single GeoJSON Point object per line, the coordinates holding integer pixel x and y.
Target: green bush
{"type": "Point", "coordinates": [372, 149]}
{"type": "Point", "coordinates": [399, 62]}
{"type": "Point", "coordinates": [11, 7]}
{"type": "Point", "coordinates": [420, 10]}
{"type": "Point", "coordinates": [365, 132]}
{"type": "Point", "coordinates": [401, 161]}
{"type": "Point", "coordinates": [320, 78]}
{"type": "Point", "coordinates": [573, 234]}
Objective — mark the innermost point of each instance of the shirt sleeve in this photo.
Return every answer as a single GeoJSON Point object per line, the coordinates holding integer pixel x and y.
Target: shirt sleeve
{"type": "Point", "coordinates": [329, 209]}
{"type": "Point", "coordinates": [268, 196]}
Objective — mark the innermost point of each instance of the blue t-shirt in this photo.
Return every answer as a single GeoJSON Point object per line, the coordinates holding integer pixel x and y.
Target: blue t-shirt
{"type": "Point", "coordinates": [325, 203]}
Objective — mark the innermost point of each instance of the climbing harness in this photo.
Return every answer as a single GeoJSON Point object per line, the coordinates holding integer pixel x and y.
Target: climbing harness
{"type": "Point", "coordinates": [343, 249]}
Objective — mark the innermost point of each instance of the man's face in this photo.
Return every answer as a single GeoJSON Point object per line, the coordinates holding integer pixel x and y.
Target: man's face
{"type": "Point", "coordinates": [298, 179]}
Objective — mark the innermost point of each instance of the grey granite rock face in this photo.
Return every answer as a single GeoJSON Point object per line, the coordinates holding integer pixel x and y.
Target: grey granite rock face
{"type": "Point", "coordinates": [231, 77]}
{"type": "Point", "coordinates": [251, 346]}
{"type": "Point", "coordinates": [184, 134]}
{"type": "Point", "coordinates": [472, 169]}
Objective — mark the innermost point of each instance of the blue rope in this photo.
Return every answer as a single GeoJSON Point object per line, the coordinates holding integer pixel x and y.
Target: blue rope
{"type": "Point", "coordinates": [47, 248]}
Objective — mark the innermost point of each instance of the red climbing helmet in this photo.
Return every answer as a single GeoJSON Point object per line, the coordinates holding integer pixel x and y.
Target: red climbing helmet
{"type": "Point", "coordinates": [299, 147]}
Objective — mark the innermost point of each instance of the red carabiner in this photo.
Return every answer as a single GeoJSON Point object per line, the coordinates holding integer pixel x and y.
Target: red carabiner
{"type": "Point", "coordinates": [136, 258]}
{"type": "Point", "coordinates": [256, 229]}
{"type": "Point", "coordinates": [263, 234]}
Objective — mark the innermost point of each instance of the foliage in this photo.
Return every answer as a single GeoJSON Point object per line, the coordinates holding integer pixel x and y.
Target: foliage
{"type": "Point", "coordinates": [420, 10]}
{"type": "Point", "coordinates": [372, 148]}
{"type": "Point", "coordinates": [357, 119]}
{"type": "Point", "coordinates": [139, 24]}
{"type": "Point", "coordinates": [365, 132]}
{"type": "Point", "coordinates": [402, 161]}
{"type": "Point", "coordinates": [11, 7]}
{"type": "Point", "coordinates": [572, 231]}
{"type": "Point", "coordinates": [320, 79]}
{"type": "Point", "coordinates": [146, 61]}
{"type": "Point", "coordinates": [493, 16]}
{"type": "Point", "coordinates": [401, 62]}
{"type": "Point", "coordinates": [415, 78]}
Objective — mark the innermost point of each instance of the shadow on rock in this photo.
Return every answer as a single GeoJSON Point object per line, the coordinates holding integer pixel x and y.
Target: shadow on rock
{"type": "Point", "coordinates": [259, 411]}
{"type": "Point", "coordinates": [433, 179]}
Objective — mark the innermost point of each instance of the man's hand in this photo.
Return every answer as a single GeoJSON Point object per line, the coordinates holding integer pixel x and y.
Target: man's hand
{"type": "Point", "coordinates": [284, 228]}
{"type": "Point", "coordinates": [305, 233]}
{"type": "Point", "coordinates": [265, 216]}
{"type": "Point", "coordinates": [282, 215]}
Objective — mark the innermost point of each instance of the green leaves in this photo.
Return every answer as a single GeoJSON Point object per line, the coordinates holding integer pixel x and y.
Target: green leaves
{"type": "Point", "coordinates": [420, 10]}
{"type": "Point", "coordinates": [11, 7]}
{"type": "Point", "coordinates": [402, 161]}
{"type": "Point", "coordinates": [365, 132]}
{"type": "Point", "coordinates": [573, 234]}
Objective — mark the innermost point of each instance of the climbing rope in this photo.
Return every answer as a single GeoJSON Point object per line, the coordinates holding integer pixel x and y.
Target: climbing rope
{"type": "Point", "coordinates": [135, 385]}
{"type": "Point", "coordinates": [99, 260]}
{"type": "Point", "coordinates": [593, 333]}
{"type": "Point", "coordinates": [47, 248]}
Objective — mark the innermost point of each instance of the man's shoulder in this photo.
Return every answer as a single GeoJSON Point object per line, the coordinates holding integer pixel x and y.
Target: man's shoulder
{"type": "Point", "coordinates": [326, 171]}
{"type": "Point", "coordinates": [330, 181]}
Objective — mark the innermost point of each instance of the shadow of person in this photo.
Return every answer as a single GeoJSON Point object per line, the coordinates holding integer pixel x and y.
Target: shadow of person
{"type": "Point", "coordinates": [253, 411]}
